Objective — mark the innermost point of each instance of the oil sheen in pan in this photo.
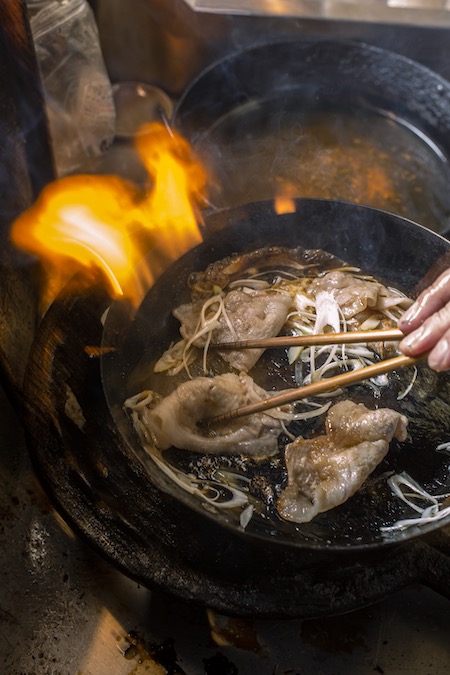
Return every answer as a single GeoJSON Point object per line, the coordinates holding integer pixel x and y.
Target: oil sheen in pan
{"type": "Point", "coordinates": [353, 151]}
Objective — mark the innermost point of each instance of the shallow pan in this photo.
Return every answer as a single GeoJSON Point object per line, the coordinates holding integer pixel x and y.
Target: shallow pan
{"type": "Point", "coordinates": [399, 253]}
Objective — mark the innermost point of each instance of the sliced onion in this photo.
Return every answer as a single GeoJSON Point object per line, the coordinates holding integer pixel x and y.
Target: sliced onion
{"type": "Point", "coordinates": [371, 323]}
{"type": "Point", "coordinates": [296, 416]}
{"type": "Point", "coordinates": [430, 513]}
{"type": "Point", "coordinates": [246, 516]}
{"type": "Point", "coordinates": [238, 498]}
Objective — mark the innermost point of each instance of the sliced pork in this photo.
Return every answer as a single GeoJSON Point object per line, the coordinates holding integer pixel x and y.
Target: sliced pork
{"type": "Point", "coordinates": [175, 420]}
{"type": "Point", "coordinates": [325, 471]}
{"type": "Point", "coordinates": [354, 295]}
{"type": "Point", "coordinates": [246, 314]}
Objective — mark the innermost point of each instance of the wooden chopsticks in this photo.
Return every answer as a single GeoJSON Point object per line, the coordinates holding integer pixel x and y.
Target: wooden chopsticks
{"type": "Point", "coordinates": [327, 384]}
{"type": "Point", "coordinates": [350, 337]}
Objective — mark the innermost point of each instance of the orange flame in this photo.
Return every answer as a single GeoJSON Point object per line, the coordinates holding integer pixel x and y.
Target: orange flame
{"type": "Point", "coordinates": [100, 222]}
{"type": "Point", "coordinates": [284, 200]}
{"type": "Point", "coordinates": [284, 205]}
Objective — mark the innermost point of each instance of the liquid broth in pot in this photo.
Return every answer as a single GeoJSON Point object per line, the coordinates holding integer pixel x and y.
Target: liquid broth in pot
{"type": "Point", "coordinates": [296, 146]}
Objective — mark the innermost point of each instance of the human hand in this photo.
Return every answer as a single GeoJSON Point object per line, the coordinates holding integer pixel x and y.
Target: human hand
{"type": "Point", "coordinates": [426, 324]}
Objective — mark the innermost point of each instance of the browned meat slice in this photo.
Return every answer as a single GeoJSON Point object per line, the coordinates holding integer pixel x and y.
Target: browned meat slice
{"type": "Point", "coordinates": [239, 265]}
{"type": "Point", "coordinates": [247, 314]}
{"type": "Point", "coordinates": [354, 295]}
{"type": "Point", "coordinates": [174, 421]}
{"type": "Point", "coordinates": [325, 471]}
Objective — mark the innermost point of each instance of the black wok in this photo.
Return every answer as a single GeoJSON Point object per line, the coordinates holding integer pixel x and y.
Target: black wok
{"type": "Point", "coordinates": [399, 253]}
{"type": "Point", "coordinates": [332, 119]}
{"type": "Point", "coordinates": [104, 484]}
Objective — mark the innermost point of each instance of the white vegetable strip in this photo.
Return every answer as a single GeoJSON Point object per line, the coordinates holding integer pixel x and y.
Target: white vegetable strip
{"type": "Point", "coordinates": [422, 520]}
{"type": "Point", "coordinates": [246, 516]}
{"type": "Point", "coordinates": [238, 497]}
{"type": "Point", "coordinates": [406, 391]}
{"type": "Point", "coordinates": [204, 325]}
{"type": "Point", "coordinates": [306, 415]}
{"type": "Point", "coordinates": [430, 513]}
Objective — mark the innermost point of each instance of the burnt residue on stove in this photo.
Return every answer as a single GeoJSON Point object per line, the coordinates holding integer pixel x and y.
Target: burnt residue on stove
{"type": "Point", "coordinates": [137, 647]}
{"type": "Point", "coordinates": [234, 632]}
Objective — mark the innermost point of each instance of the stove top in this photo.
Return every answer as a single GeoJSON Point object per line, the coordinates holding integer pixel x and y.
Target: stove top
{"type": "Point", "coordinates": [64, 609]}
{"type": "Point", "coordinates": [107, 492]}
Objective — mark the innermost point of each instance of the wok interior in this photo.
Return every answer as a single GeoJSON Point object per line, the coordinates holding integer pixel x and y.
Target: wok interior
{"type": "Point", "coordinates": [344, 121]}
{"type": "Point", "coordinates": [397, 252]}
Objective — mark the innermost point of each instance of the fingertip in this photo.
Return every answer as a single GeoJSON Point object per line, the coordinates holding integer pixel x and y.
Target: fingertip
{"type": "Point", "coordinates": [404, 348]}
{"type": "Point", "coordinates": [404, 326]}
{"type": "Point", "coordinates": [410, 344]}
{"type": "Point", "coordinates": [439, 357]}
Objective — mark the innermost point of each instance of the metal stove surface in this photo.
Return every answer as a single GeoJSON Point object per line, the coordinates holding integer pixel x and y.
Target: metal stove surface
{"type": "Point", "coordinates": [64, 610]}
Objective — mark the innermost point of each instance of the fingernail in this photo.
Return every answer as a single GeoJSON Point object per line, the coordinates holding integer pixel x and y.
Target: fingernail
{"type": "Point", "coordinates": [409, 315]}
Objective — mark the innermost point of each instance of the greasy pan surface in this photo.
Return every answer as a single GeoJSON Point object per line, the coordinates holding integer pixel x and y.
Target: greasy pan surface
{"type": "Point", "coordinates": [395, 251]}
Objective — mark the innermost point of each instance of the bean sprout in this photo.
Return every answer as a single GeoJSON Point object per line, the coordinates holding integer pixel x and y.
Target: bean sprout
{"type": "Point", "coordinates": [406, 391]}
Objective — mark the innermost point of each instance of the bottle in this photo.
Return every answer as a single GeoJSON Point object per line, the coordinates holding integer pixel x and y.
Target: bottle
{"type": "Point", "coordinates": [78, 93]}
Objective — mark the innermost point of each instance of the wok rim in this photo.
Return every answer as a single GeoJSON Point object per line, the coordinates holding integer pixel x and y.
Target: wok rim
{"type": "Point", "coordinates": [308, 42]}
